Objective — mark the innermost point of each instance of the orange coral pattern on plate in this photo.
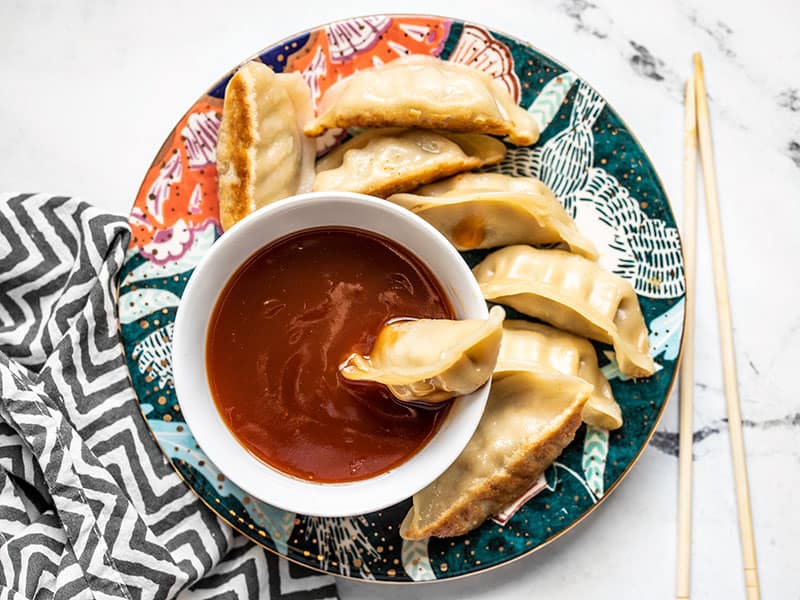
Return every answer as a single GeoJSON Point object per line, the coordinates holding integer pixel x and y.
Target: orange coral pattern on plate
{"type": "Point", "coordinates": [180, 188]}
{"type": "Point", "coordinates": [340, 49]}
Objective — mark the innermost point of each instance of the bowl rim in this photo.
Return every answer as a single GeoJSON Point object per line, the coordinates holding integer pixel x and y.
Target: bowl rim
{"type": "Point", "coordinates": [267, 483]}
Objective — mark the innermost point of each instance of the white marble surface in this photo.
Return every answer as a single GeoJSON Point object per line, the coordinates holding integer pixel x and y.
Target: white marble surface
{"type": "Point", "coordinates": [90, 90]}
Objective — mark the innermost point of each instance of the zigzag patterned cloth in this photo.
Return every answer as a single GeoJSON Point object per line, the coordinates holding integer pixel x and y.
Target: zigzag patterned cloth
{"type": "Point", "coordinates": [89, 507]}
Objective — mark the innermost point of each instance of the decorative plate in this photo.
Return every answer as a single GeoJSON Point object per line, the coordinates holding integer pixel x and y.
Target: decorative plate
{"type": "Point", "coordinates": [586, 155]}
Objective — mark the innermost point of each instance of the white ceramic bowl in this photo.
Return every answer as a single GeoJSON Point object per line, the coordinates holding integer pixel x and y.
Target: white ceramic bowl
{"type": "Point", "coordinates": [189, 343]}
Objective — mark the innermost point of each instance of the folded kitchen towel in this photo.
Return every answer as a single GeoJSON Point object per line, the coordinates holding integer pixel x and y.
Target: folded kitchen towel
{"type": "Point", "coordinates": [89, 507]}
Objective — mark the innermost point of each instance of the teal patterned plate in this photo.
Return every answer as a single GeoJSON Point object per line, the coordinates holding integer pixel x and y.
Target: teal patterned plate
{"type": "Point", "coordinates": [586, 155]}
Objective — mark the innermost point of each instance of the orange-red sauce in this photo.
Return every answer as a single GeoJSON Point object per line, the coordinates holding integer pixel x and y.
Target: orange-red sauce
{"type": "Point", "coordinates": [285, 322]}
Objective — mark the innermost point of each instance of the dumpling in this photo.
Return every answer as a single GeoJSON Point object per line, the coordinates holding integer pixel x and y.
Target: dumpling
{"type": "Point", "coordinates": [425, 92]}
{"type": "Point", "coordinates": [529, 419]}
{"type": "Point", "coordinates": [262, 153]}
{"type": "Point", "coordinates": [431, 360]}
{"type": "Point", "coordinates": [487, 210]}
{"type": "Point", "coordinates": [385, 161]}
{"type": "Point", "coordinates": [573, 293]}
{"type": "Point", "coordinates": [529, 345]}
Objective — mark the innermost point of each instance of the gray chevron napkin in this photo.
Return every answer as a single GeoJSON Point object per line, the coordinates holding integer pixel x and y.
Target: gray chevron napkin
{"type": "Point", "coordinates": [89, 508]}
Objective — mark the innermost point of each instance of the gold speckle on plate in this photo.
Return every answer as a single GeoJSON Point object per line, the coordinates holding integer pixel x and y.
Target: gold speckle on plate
{"type": "Point", "coordinates": [379, 549]}
{"type": "Point", "coordinates": [320, 557]}
{"type": "Point", "coordinates": [276, 535]}
{"type": "Point", "coordinates": [391, 572]}
{"type": "Point", "coordinates": [357, 563]}
{"type": "Point", "coordinates": [232, 513]}
{"type": "Point", "coordinates": [306, 553]}
{"type": "Point", "coordinates": [262, 533]}
{"type": "Point", "coordinates": [168, 418]}
{"type": "Point", "coordinates": [443, 567]}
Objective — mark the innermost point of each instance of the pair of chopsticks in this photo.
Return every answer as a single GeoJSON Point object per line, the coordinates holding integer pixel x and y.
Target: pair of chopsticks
{"type": "Point", "coordinates": [697, 125]}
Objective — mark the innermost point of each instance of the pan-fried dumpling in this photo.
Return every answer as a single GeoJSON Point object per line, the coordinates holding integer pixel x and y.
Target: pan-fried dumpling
{"type": "Point", "coordinates": [262, 153]}
{"type": "Point", "coordinates": [386, 161]}
{"type": "Point", "coordinates": [573, 293]}
{"type": "Point", "coordinates": [529, 345]}
{"type": "Point", "coordinates": [425, 92]}
{"type": "Point", "coordinates": [529, 419]}
{"type": "Point", "coordinates": [431, 360]}
{"type": "Point", "coordinates": [487, 210]}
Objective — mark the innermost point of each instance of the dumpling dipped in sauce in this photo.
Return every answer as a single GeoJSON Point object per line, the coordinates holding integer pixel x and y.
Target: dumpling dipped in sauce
{"type": "Point", "coordinates": [431, 360]}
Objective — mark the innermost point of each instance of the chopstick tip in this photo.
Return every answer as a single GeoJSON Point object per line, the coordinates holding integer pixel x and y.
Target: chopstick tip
{"type": "Point", "coordinates": [698, 62]}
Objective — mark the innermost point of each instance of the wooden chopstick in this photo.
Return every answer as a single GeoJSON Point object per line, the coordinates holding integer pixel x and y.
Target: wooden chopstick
{"type": "Point", "coordinates": [687, 366]}
{"type": "Point", "coordinates": [726, 336]}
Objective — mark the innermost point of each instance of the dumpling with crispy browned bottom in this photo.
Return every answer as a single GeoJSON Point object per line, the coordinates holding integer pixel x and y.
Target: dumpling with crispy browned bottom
{"type": "Point", "coordinates": [487, 210]}
{"type": "Point", "coordinates": [262, 153]}
{"type": "Point", "coordinates": [425, 92]}
{"type": "Point", "coordinates": [574, 294]}
{"type": "Point", "coordinates": [530, 346]}
{"type": "Point", "coordinates": [530, 418]}
{"type": "Point", "coordinates": [386, 161]}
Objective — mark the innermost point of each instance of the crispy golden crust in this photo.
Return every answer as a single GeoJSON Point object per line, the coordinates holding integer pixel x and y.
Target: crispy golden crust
{"type": "Point", "coordinates": [501, 490]}
{"type": "Point", "coordinates": [471, 124]}
{"type": "Point", "coordinates": [234, 159]}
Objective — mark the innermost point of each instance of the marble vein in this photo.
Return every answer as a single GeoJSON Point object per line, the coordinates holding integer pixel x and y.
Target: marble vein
{"type": "Point", "coordinates": [667, 441]}
{"type": "Point", "coordinates": [719, 31]}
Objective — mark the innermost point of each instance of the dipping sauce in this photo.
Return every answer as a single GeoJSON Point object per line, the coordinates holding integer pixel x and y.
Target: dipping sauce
{"type": "Point", "coordinates": [285, 322]}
